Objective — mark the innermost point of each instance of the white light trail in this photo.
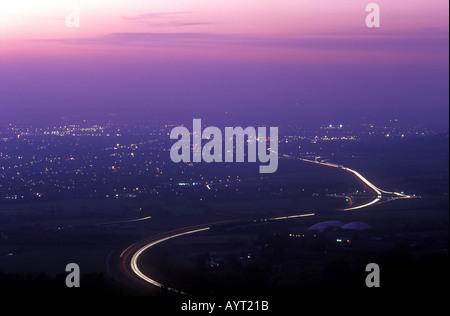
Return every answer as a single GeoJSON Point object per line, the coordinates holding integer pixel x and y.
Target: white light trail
{"type": "Point", "coordinates": [379, 193]}
{"type": "Point", "coordinates": [129, 221]}
{"type": "Point", "coordinates": [135, 258]}
{"type": "Point", "coordinates": [290, 217]}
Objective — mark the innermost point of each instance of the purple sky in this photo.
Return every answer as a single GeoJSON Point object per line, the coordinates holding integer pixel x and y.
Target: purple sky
{"type": "Point", "coordinates": [245, 57]}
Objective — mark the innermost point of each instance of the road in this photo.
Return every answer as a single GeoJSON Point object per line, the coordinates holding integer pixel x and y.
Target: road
{"type": "Point", "coordinates": [379, 196]}
{"type": "Point", "coordinates": [126, 221]}
{"type": "Point", "coordinates": [129, 258]}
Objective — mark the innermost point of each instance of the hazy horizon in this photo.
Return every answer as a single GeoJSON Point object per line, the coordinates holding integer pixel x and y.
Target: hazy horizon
{"type": "Point", "coordinates": [271, 59]}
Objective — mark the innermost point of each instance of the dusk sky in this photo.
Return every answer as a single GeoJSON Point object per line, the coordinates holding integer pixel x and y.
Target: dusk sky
{"type": "Point", "coordinates": [242, 56]}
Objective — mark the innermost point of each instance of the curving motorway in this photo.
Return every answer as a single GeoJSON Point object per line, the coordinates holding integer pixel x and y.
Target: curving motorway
{"type": "Point", "coordinates": [129, 258]}
{"type": "Point", "coordinates": [379, 196]}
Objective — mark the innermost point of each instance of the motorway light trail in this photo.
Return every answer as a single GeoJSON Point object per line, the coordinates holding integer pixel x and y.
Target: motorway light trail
{"type": "Point", "coordinates": [138, 248]}
{"type": "Point", "coordinates": [135, 258]}
{"type": "Point", "coordinates": [291, 217]}
{"type": "Point", "coordinates": [134, 262]}
{"type": "Point", "coordinates": [378, 192]}
{"type": "Point", "coordinates": [370, 185]}
{"type": "Point", "coordinates": [128, 221]}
